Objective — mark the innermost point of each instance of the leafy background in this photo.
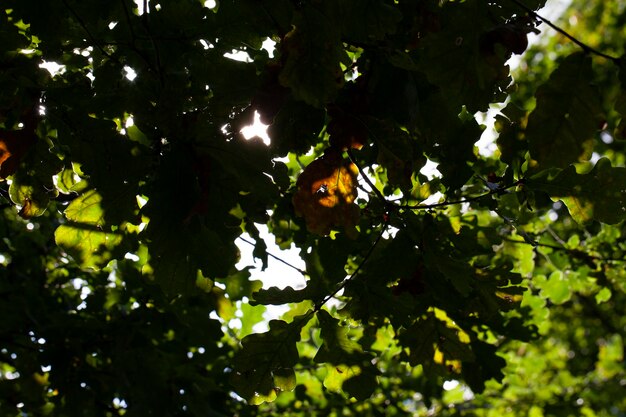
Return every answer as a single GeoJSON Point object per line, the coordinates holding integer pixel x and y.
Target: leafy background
{"type": "Point", "coordinates": [495, 288]}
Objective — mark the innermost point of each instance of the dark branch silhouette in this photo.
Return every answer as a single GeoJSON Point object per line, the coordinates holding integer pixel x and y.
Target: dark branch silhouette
{"type": "Point", "coordinates": [582, 45]}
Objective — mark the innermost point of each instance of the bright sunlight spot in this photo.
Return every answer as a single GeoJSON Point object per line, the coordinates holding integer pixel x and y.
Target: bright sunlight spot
{"type": "Point", "coordinates": [130, 73]}
{"type": "Point", "coordinates": [210, 4]}
{"type": "Point", "coordinates": [450, 385]}
{"type": "Point", "coordinates": [256, 129]}
{"type": "Point", "coordinates": [238, 56]}
{"type": "Point", "coordinates": [269, 45]}
{"type": "Point", "coordinates": [140, 8]}
{"type": "Point", "coordinates": [52, 67]}
{"type": "Point", "coordinates": [430, 170]}
{"type": "Point", "coordinates": [487, 143]}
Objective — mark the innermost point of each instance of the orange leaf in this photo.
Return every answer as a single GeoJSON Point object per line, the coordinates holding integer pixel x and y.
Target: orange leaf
{"type": "Point", "coordinates": [13, 145]}
{"type": "Point", "coordinates": [326, 191]}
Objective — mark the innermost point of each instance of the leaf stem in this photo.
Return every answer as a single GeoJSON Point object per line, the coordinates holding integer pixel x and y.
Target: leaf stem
{"type": "Point", "coordinates": [582, 45]}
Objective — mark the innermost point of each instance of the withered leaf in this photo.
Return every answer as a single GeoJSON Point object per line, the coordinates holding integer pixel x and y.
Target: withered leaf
{"type": "Point", "coordinates": [326, 191]}
{"type": "Point", "coordinates": [13, 145]}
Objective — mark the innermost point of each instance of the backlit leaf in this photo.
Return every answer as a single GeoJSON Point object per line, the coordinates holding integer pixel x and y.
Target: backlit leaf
{"type": "Point", "coordinates": [85, 235]}
{"type": "Point", "coordinates": [598, 195]}
{"type": "Point", "coordinates": [326, 194]}
{"type": "Point", "coordinates": [266, 360]}
{"type": "Point", "coordinates": [560, 129]}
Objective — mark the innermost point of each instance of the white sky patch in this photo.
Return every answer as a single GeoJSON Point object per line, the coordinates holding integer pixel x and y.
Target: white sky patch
{"type": "Point", "coordinates": [551, 11]}
{"type": "Point", "coordinates": [450, 385]}
{"type": "Point", "coordinates": [129, 73]}
{"type": "Point", "coordinates": [430, 170]}
{"type": "Point", "coordinates": [433, 199]}
{"type": "Point", "coordinates": [206, 45]}
{"type": "Point", "coordinates": [140, 8]}
{"type": "Point", "coordinates": [277, 273]}
{"type": "Point", "coordinates": [210, 4]}
{"type": "Point", "coordinates": [53, 68]}
{"type": "Point", "coordinates": [257, 128]}
{"type": "Point", "coordinates": [236, 55]}
{"type": "Point", "coordinates": [132, 257]}
{"type": "Point", "coordinates": [269, 45]}
{"type": "Point", "coordinates": [487, 143]}
{"type": "Point", "coordinates": [595, 157]}
{"type": "Point", "coordinates": [606, 137]}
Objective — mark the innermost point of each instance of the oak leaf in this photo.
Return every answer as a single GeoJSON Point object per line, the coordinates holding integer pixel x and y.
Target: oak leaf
{"type": "Point", "coordinates": [325, 195]}
{"type": "Point", "coordinates": [13, 145]}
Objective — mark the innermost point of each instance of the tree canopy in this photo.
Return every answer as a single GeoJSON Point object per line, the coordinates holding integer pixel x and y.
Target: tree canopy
{"type": "Point", "coordinates": [494, 286]}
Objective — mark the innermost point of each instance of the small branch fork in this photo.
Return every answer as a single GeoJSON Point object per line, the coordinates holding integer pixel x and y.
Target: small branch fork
{"type": "Point", "coordinates": [321, 303]}
{"type": "Point", "coordinates": [583, 46]}
{"type": "Point", "coordinates": [82, 24]}
{"type": "Point", "coordinates": [303, 272]}
{"type": "Point", "coordinates": [576, 253]}
{"type": "Point", "coordinates": [390, 206]}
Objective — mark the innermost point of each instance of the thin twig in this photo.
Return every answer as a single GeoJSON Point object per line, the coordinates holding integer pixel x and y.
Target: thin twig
{"type": "Point", "coordinates": [303, 272]}
{"type": "Point", "coordinates": [574, 252]}
{"type": "Point", "coordinates": [345, 282]}
{"type": "Point", "coordinates": [157, 56]}
{"type": "Point", "coordinates": [82, 24]}
{"type": "Point", "coordinates": [369, 182]}
{"type": "Point", "coordinates": [134, 38]}
{"type": "Point", "coordinates": [463, 200]}
{"type": "Point", "coordinates": [584, 46]}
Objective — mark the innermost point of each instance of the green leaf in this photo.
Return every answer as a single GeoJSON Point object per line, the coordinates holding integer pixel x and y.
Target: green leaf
{"type": "Point", "coordinates": [419, 339]}
{"type": "Point", "coordinates": [285, 379]}
{"type": "Point", "coordinates": [251, 315]}
{"type": "Point", "coordinates": [366, 20]}
{"type": "Point", "coordinates": [560, 130]}
{"type": "Point", "coordinates": [453, 60]}
{"type": "Point", "coordinates": [557, 288]}
{"type": "Point", "coordinates": [278, 296]}
{"type": "Point", "coordinates": [337, 347]}
{"type": "Point", "coordinates": [313, 55]}
{"type": "Point", "coordinates": [361, 386]}
{"type": "Point", "coordinates": [86, 235]}
{"type": "Point", "coordinates": [603, 295]}
{"type": "Point", "coordinates": [30, 194]}
{"type": "Point", "coordinates": [599, 195]}
{"type": "Point", "coordinates": [266, 360]}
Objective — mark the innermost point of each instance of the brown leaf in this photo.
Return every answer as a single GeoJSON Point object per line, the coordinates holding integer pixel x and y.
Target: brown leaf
{"type": "Point", "coordinates": [13, 146]}
{"type": "Point", "coordinates": [326, 191]}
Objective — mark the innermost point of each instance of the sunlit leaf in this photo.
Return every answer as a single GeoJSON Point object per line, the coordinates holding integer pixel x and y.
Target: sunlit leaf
{"type": "Point", "coordinates": [85, 235]}
{"type": "Point", "coordinates": [326, 194]}
{"type": "Point", "coordinates": [598, 195]}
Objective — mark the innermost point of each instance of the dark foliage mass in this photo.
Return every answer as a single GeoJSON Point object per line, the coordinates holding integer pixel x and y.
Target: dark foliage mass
{"type": "Point", "coordinates": [493, 286]}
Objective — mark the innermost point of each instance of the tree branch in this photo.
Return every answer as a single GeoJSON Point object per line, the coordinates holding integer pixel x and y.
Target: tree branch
{"type": "Point", "coordinates": [380, 196]}
{"type": "Point", "coordinates": [275, 257]}
{"type": "Point", "coordinates": [574, 252]}
{"type": "Point", "coordinates": [82, 24]}
{"type": "Point", "coordinates": [320, 304]}
{"type": "Point", "coordinates": [582, 45]}
{"type": "Point", "coordinates": [463, 200]}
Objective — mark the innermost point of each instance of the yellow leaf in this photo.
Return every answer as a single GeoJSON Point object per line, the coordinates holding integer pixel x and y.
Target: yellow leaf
{"type": "Point", "coordinates": [325, 195]}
